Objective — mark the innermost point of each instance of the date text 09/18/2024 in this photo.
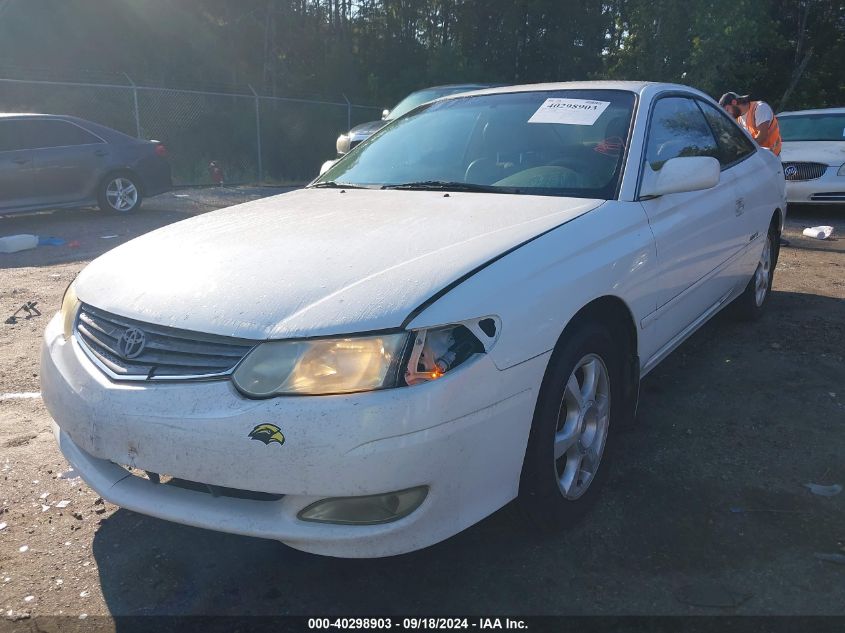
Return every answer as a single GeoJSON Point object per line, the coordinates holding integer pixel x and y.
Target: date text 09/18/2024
{"type": "Point", "coordinates": [416, 623]}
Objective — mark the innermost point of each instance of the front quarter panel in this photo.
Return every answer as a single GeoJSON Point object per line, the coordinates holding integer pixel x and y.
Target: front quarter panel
{"type": "Point", "coordinates": [539, 287]}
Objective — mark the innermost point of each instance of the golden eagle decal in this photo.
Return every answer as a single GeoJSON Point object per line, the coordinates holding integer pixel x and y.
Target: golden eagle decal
{"type": "Point", "coordinates": [267, 433]}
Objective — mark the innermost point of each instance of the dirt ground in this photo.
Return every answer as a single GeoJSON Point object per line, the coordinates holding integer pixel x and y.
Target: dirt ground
{"type": "Point", "coordinates": [706, 511]}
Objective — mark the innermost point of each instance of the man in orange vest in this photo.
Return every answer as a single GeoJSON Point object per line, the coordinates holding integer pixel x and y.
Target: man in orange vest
{"type": "Point", "coordinates": [756, 117]}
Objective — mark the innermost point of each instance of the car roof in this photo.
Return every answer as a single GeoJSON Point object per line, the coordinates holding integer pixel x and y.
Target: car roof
{"type": "Point", "coordinates": [37, 115]}
{"type": "Point", "coordinates": [628, 86]}
{"type": "Point", "coordinates": [818, 111]}
{"type": "Point", "coordinates": [445, 86]}
{"type": "Point", "coordinates": [5, 115]}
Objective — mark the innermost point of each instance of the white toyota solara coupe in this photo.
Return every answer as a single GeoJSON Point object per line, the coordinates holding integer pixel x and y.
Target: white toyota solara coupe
{"type": "Point", "coordinates": [455, 314]}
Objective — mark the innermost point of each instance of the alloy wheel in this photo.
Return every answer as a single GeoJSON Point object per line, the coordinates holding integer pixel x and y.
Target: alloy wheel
{"type": "Point", "coordinates": [582, 424]}
{"type": "Point", "coordinates": [122, 194]}
{"type": "Point", "coordinates": [763, 273]}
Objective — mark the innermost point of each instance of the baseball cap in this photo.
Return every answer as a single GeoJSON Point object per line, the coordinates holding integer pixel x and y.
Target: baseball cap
{"type": "Point", "coordinates": [731, 96]}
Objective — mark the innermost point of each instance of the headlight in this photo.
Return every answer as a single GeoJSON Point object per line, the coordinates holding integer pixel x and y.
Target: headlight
{"type": "Point", "coordinates": [70, 306]}
{"type": "Point", "coordinates": [362, 363]}
{"type": "Point", "coordinates": [841, 171]}
{"type": "Point", "coordinates": [322, 366]}
{"type": "Point", "coordinates": [343, 144]}
{"type": "Point", "coordinates": [437, 351]}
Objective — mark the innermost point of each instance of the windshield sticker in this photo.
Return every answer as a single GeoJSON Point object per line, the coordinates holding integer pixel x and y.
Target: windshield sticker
{"type": "Point", "coordinates": [569, 111]}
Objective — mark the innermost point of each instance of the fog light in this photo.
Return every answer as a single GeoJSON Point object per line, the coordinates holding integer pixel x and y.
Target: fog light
{"type": "Point", "coordinates": [369, 510]}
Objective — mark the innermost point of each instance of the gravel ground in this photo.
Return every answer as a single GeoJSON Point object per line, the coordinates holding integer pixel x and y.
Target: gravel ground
{"type": "Point", "coordinates": [705, 512]}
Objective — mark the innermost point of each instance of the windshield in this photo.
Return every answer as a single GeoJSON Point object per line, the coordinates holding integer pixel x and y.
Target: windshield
{"type": "Point", "coordinates": [563, 142]}
{"type": "Point", "coordinates": [422, 96]}
{"type": "Point", "coordinates": [812, 127]}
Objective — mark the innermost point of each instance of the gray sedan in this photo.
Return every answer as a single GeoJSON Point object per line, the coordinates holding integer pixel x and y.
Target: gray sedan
{"type": "Point", "coordinates": [50, 161]}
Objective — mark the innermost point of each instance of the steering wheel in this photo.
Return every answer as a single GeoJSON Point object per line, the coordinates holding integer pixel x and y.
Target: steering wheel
{"type": "Point", "coordinates": [474, 165]}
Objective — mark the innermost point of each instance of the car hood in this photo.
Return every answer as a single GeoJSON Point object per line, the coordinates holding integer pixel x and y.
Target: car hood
{"type": "Point", "coordinates": [367, 129]}
{"type": "Point", "coordinates": [828, 152]}
{"type": "Point", "coordinates": [315, 261]}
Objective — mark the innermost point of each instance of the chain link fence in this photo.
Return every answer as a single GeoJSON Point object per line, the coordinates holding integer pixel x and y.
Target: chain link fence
{"type": "Point", "coordinates": [253, 138]}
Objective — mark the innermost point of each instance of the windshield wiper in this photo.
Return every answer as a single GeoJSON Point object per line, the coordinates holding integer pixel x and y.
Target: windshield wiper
{"type": "Point", "coordinates": [331, 184]}
{"type": "Point", "coordinates": [446, 185]}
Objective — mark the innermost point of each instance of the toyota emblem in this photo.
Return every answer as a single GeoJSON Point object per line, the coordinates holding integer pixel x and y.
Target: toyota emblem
{"type": "Point", "coordinates": [132, 343]}
{"type": "Point", "coordinates": [790, 171]}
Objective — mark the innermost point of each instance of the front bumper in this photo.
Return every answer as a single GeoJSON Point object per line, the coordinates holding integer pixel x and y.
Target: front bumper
{"type": "Point", "coordinates": [827, 189]}
{"type": "Point", "coordinates": [463, 436]}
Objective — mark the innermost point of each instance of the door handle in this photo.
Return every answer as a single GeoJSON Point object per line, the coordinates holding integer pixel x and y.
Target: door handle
{"type": "Point", "coordinates": [20, 161]}
{"type": "Point", "coordinates": [740, 206]}
{"type": "Point", "coordinates": [101, 152]}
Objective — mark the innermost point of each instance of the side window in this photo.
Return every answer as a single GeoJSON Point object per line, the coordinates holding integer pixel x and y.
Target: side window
{"type": "Point", "coordinates": [678, 129]}
{"type": "Point", "coordinates": [44, 133]}
{"type": "Point", "coordinates": [733, 144]}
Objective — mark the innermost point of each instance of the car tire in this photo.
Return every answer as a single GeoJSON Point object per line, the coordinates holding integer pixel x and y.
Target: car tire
{"type": "Point", "coordinates": [578, 408]}
{"type": "Point", "coordinates": [749, 306]}
{"type": "Point", "coordinates": [119, 193]}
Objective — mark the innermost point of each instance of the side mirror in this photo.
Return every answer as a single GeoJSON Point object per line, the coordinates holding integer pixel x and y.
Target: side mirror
{"type": "Point", "coordinates": [682, 174]}
{"type": "Point", "coordinates": [327, 166]}
{"type": "Point", "coordinates": [384, 114]}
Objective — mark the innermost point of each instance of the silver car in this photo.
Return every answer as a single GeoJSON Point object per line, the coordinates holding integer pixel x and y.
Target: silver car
{"type": "Point", "coordinates": [362, 132]}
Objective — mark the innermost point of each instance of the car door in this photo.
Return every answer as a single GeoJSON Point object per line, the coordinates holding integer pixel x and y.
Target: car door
{"type": "Point", "coordinates": [694, 231]}
{"type": "Point", "coordinates": [743, 170]}
{"type": "Point", "coordinates": [68, 160]}
{"type": "Point", "coordinates": [17, 188]}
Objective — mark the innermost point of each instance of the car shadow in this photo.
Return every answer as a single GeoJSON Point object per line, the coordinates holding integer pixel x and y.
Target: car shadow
{"type": "Point", "coordinates": [806, 244]}
{"type": "Point", "coordinates": [704, 489]}
{"type": "Point", "coordinates": [828, 212]}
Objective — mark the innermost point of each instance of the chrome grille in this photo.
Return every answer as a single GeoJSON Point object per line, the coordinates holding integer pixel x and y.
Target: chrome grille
{"type": "Point", "coordinates": [167, 353]}
{"type": "Point", "coordinates": [803, 171]}
{"type": "Point", "coordinates": [831, 196]}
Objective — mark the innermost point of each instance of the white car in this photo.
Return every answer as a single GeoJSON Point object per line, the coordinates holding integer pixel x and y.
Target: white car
{"type": "Point", "coordinates": [456, 314]}
{"type": "Point", "coordinates": [813, 155]}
